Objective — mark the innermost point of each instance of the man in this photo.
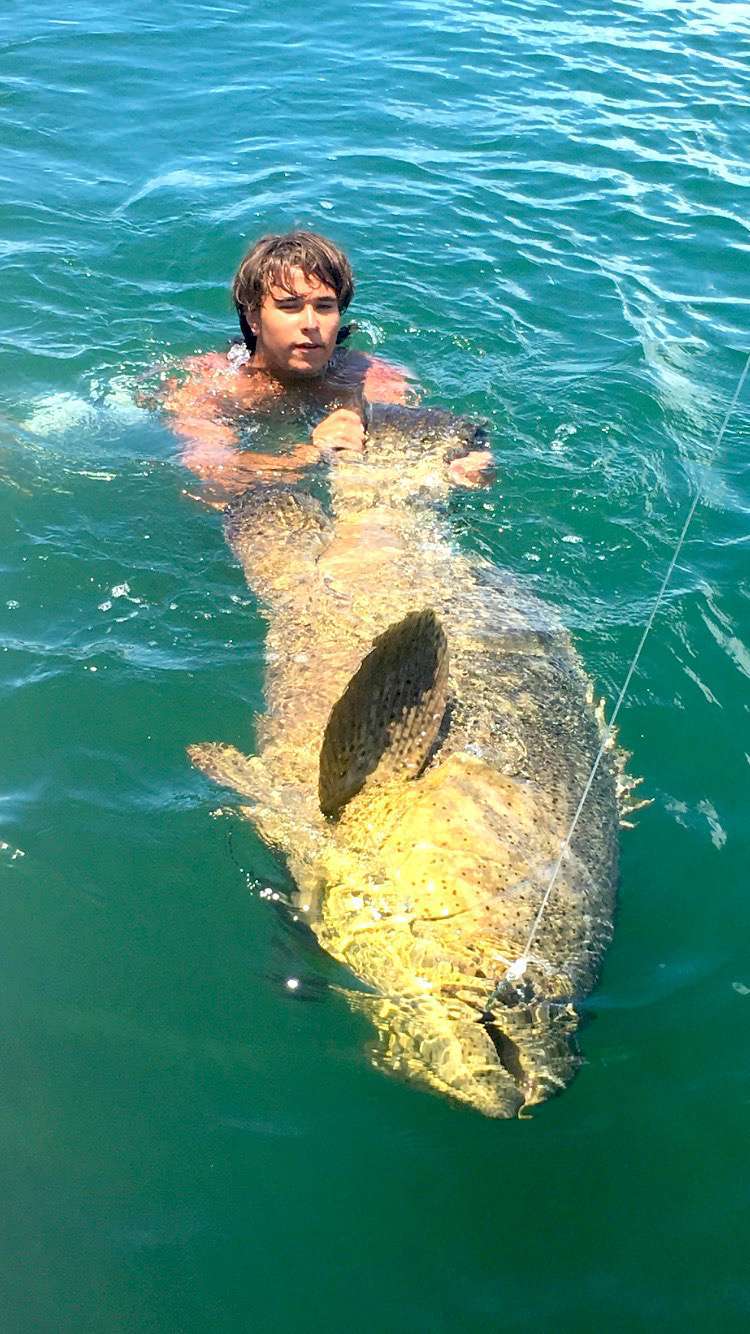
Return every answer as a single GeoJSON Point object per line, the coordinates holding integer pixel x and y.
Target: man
{"type": "Point", "coordinates": [290, 293]}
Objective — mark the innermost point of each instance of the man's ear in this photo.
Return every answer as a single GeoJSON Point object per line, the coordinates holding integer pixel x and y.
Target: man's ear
{"type": "Point", "coordinates": [248, 329]}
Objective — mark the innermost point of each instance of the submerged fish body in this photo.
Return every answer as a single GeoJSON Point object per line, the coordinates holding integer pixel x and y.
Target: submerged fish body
{"type": "Point", "coordinates": [428, 735]}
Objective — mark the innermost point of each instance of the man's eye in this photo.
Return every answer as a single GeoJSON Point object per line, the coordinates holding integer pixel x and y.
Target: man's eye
{"type": "Point", "coordinates": [322, 307]}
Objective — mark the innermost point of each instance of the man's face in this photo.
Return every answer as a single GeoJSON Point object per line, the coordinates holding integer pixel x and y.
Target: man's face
{"type": "Point", "coordinates": [296, 328]}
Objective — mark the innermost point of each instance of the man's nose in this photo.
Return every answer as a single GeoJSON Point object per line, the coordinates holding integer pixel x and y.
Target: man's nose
{"type": "Point", "coordinates": [309, 317]}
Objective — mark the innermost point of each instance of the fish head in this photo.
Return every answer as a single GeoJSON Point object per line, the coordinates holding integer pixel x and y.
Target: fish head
{"type": "Point", "coordinates": [498, 1063]}
{"type": "Point", "coordinates": [430, 889]}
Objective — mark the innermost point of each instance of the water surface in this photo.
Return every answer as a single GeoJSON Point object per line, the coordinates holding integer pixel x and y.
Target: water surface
{"type": "Point", "coordinates": [546, 205]}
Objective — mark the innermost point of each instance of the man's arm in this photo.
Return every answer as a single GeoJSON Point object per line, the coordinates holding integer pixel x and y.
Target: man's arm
{"type": "Point", "coordinates": [384, 383]}
{"type": "Point", "coordinates": [211, 447]}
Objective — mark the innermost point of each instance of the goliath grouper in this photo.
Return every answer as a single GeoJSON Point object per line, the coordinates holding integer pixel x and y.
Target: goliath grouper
{"type": "Point", "coordinates": [429, 732]}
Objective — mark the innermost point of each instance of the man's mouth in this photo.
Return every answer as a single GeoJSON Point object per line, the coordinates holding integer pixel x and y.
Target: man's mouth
{"type": "Point", "coordinates": [307, 347]}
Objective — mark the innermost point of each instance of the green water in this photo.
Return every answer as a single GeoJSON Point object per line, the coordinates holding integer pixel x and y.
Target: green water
{"type": "Point", "coordinates": [546, 206]}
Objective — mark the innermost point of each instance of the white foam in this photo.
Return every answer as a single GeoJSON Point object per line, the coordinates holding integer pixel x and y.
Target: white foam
{"type": "Point", "coordinates": [54, 414]}
{"type": "Point", "coordinates": [58, 414]}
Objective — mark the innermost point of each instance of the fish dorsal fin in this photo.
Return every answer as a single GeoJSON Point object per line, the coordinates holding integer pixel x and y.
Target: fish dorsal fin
{"type": "Point", "coordinates": [390, 713]}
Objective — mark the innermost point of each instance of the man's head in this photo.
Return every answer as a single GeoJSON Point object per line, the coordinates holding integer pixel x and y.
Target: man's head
{"type": "Point", "coordinates": [290, 292]}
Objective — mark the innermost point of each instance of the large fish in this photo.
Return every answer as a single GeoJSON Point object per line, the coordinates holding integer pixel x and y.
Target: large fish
{"type": "Point", "coordinates": [428, 734]}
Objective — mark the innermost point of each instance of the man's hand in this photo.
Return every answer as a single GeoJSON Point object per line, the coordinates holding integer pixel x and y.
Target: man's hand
{"type": "Point", "coordinates": [473, 469]}
{"type": "Point", "coordinates": [340, 433]}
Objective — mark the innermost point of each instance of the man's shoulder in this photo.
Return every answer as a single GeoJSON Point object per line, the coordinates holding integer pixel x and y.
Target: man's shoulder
{"type": "Point", "coordinates": [381, 380]}
{"type": "Point", "coordinates": [230, 375]}
{"type": "Point", "coordinates": [209, 365]}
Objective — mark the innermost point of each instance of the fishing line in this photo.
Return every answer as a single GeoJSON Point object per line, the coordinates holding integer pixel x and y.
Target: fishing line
{"type": "Point", "coordinates": [516, 970]}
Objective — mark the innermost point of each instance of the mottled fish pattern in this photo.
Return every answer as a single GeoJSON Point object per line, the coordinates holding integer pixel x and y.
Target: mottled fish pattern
{"type": "Point", "coordinates": [428, 733]}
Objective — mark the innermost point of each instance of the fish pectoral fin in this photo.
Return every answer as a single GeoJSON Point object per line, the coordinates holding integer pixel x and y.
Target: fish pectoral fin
{"type": "Point", "coordinates": [245, 774]}
{"type": "Point", "coordinates": [272, 808]}
{"type": "Point", "coordinates": [389, 716]}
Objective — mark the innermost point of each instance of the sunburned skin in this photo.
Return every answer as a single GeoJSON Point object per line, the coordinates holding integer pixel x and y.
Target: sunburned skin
{"type": "Point", "coordinates": [296, 357]}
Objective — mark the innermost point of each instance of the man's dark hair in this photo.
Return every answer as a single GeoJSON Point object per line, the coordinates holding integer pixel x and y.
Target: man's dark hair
{"type": "Point", "coordinates": [269, 263]}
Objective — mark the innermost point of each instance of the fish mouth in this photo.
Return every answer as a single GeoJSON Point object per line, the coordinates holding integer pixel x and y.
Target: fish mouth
{"type": "Point", "coordinates": [508, 1052]}
{"type": "Point", "coordinates": [534, 1046]}
{"type": "Point", "coordinates": [448, 1048]}
{"type": "Point", "coordinates": [494, 1080]}
{"type": "Point", "coordinates": [499, 1064]}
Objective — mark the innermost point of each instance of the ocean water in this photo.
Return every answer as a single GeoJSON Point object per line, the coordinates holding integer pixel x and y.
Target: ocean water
{"type": "Point", "coordinates": [547, 209]}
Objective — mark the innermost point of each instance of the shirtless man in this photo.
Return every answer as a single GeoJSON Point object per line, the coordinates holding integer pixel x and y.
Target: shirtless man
{"type": "Point", "coordinates": [290, 293]}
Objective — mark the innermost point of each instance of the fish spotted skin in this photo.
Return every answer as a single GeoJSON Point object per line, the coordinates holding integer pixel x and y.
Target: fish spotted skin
{"type": "Point", "coordinates": [443, 720]}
